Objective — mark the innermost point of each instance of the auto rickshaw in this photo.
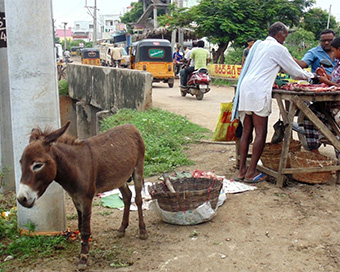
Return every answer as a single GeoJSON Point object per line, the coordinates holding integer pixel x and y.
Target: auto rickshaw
{"type": "Point", "coordinates": [74, 51]}
{"type": "Point", "coordinates": [90, 56]}
{"type": "Point", "coordinates": [155, 57]}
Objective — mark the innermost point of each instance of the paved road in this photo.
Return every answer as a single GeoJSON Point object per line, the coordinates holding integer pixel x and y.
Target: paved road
{"type": "Point", "coordinates": [206, 111]}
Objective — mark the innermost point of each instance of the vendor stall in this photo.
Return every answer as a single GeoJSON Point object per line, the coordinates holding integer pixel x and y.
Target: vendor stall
{"type": "Point", "coordinates": [297, 97]}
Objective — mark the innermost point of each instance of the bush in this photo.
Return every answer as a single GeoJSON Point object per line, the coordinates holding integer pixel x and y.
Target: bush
{"type": "Point", "coordinates": [165, 134]}
{"type": "Point", "coordinates": [63, 87]}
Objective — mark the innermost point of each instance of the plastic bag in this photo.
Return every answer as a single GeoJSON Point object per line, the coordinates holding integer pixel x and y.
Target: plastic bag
{"type": "Point", "coordinates": [279, 132]}
{"type": "Point", "coordinates": [225, 129]}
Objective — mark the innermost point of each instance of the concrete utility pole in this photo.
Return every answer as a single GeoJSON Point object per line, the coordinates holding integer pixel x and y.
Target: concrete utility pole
{"type": "Point", "coordinates": [155, 23]}
{"type": "Point", "coordinates": [180, 30]}
{"type": "Point", "coordinates": [7, 181]}
{"type": "Point", "coordinates": [31, 94]}
{"type": "Point", "coordinates": [173, 34]}
{"type": "Point", "coordinates": [65, 42]}
{"type": "Point", "coordinates": [94, 16]}
{"type": "Point", "coordinates": [95, 24]}
{"type": "Point", "coordinates": [329, 15]}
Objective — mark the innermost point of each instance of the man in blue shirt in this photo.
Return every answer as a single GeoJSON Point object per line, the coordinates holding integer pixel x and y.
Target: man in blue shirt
{"type": "Point", "coordinates": [314, 55]}
{"type": "Point", "coordinates": [177, 58]}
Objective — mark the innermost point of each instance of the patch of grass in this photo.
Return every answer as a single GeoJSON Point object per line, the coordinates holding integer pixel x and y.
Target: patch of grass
{"type": "Point", "coordinates": [223, 82]}
{"type": "Point", "coordinates": [165, 134]}
{"type": "Point", "coordinates": [63, 87]}
{"type": "Point", "coordinates": [194, 234]}
{"type": "Point", "coordinates": [105, 213]}
{"type": "Point", "coordinates": [118, 255]}
{"type": "Point", "coordinates": [72, 216]}
{"type": "Point", "coordinates": [24, 247]}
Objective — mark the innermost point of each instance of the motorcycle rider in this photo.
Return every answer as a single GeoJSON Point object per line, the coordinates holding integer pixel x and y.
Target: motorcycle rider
{"type": "Point", "coordinates": [67, 56]}
{"type": "Point", "coordinates": [200, 57]}
{"type": "Point", "coordinates": [186, 60]}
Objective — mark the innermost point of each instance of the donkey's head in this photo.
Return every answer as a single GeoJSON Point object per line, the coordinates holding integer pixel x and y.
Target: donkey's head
{"type": "Point", "coordinates": [38, 166]}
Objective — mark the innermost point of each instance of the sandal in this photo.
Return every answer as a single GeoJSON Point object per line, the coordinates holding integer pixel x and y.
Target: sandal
{"type": "Point", "coordinates": [258, 178]}
{"type": "Point", "coordinates": [238, 179]}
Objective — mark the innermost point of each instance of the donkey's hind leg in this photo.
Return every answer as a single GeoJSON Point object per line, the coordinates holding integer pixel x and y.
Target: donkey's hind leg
{"type": "Point", "coordinates": [138, 180]}
{"type": "Point", "coordinates": [126, 193]}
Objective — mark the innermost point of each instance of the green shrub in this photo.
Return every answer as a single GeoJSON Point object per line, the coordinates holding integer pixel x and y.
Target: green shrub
{"type": "Point", "coordinates": [63, 87]}
{"type": "Point", "coordinates": [164, 134]}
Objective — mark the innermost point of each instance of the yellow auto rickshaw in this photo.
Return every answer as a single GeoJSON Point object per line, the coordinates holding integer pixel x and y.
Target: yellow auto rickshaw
{"type": "Point", "coordinates": [90, 56]}
{"type": "Point", "coordinates": [155, 57]}
{"type": "Point", "coordinates": [74, 51]}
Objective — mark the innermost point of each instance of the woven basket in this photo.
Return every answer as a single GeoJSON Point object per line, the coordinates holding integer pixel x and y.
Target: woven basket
{"type": "Point", "coordinates": [190, 194]}
{"type": "Point", "coordinates": [271, 154]}
{"type": "Point", "coordinates": [307, 159]}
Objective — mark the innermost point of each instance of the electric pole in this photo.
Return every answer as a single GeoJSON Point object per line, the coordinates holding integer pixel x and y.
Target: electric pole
{"type": "Point", "coordinates": [329, 15]}
{"type": "Point", "coordinates": [64, 23]}
{"type": "Point", "coordinates": [94, 16]}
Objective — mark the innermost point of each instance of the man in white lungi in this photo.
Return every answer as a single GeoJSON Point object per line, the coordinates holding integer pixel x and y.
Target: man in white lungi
{"type": "Point", "coordinates": [255, 94]}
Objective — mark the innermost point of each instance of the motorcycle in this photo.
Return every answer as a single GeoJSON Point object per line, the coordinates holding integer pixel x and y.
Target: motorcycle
{"type": "Point", "coordinates": [198, 84]}
{"type": "Point", "coordinates": [68, 59]}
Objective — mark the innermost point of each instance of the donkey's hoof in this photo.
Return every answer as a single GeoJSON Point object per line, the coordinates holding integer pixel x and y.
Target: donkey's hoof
{"type": "Point", "coordinates": [143, 236]}
{"type": "Point", "coordinates": [120, 234]}
{"type": "Point", "coordinates": [82, 261]}
{"type": "Point", "coordinates": [82, 266]}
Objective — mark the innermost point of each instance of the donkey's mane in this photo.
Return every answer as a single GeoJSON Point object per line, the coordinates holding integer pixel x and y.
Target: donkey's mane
{"type": "Point", "coordinates": [38, 134]}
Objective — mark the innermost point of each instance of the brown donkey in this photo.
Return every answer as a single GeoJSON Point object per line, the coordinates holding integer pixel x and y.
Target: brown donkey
{"type": "Point", "coordinates": [84, 168]}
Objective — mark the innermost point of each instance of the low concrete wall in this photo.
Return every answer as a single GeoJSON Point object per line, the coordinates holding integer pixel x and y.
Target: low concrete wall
{"type": "Point", "coordinates": [94, 89]}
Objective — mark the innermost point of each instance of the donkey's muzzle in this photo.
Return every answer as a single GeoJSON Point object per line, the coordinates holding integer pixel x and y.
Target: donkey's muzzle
{"type": "Point", "coordinates": [26, 197]}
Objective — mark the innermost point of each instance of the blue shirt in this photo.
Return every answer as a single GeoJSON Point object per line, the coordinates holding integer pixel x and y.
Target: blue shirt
{"type": "Point", "coordinates": [313, 57]}
{"type": "Point", "coordinates": [178, 56]}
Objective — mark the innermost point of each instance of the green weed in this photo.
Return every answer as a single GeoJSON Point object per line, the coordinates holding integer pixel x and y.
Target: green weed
{"type": "Point", "coordinates": [20, 246]}
{"type": "Point", "coordinates": [72, 216]}
{"type": "Point", "coordinates": [223, 82]}
{"type": "Point", "coordinates": [105, 213]}
{"type": "Point", "coordinates": [63, 87]}
{"type": "Point", "coordinates": [165, 134]}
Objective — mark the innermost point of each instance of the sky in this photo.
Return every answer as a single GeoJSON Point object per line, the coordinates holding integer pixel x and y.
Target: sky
{"type": "Point", "coordinates": [74, 10]}
{"type": "Point", "coordinates": [335, 8]}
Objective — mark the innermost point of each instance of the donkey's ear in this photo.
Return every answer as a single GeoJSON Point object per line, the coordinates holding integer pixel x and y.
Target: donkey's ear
{"type": "Point", "coordinates": [53, 136]}
{"type": "Point", "coordinates": [35, 134]}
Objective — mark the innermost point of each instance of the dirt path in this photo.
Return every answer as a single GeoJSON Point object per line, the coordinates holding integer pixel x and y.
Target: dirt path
{"type": "Point", "coordinates": [269, 229]}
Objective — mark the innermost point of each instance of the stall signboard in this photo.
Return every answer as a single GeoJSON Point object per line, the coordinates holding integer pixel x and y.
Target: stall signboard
{"type": "Point", "coordinates": [225, 71]}
{"type": "Point", "coordinates": [229, 71]}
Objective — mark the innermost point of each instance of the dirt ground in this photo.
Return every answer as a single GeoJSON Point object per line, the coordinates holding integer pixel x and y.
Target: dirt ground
{"type": "Point", "coordinates": [269, 229]}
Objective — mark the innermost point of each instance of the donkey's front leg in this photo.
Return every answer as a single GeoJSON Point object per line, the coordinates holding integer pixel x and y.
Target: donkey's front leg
{"type": "Point", "coordinates": [84, 212]}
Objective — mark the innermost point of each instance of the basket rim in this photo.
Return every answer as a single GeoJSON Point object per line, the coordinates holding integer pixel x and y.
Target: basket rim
{"type": "Point", "coordinates": [214, 183]}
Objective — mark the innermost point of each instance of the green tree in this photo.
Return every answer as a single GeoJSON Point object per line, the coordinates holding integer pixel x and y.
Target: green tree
{"type": "Point", "coordinates": [315, 20]}
{"type": "Point", "coordinates": [287, 11]}
{"type": "Point", "coordinates": [234, 21]}
{"type": "Point", "coordinates": [133, 15]}
{"type": "Point", "coordinates": [299, 42]}
{"type": "Point", "coordinates": [180, 17]}
{"type": "Point", "coordinates": [226, 21]}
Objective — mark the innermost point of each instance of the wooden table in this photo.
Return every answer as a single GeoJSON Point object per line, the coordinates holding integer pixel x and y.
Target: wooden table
{"type": "Point", "coordinates": [297, 101]}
